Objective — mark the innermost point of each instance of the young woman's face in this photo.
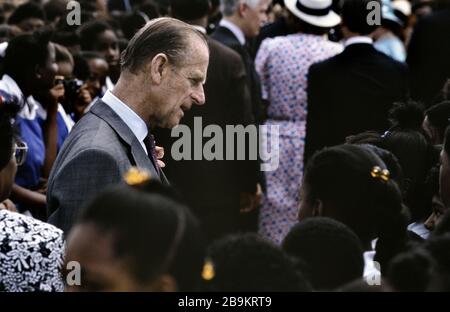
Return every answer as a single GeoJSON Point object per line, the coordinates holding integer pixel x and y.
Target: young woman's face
{"type": "Point", "coordinates": [48, 71]}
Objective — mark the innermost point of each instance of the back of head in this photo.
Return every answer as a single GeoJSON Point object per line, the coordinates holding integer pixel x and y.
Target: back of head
{"type": "Point", "coordinates": [132, 22]}
{"type": "Point", "coordinates": [355, 15]}
{"type": "Point", "coordinates": [352, 182]}
{"type": "Point", "coordinates": [152, 231]}
{"type": "Point", "coordinates": [407, 141]}
{"type": "Point", "coordinates": [55, 9]}
{"type": "Point", "coordinates": [439, 249]}
{"type": "Point", "coordinates": [375, 142]}
{"type": "Point", "coordinates": [189, 10]}
{"type": "Point", "coordinates": [161, 35]}
{"type": "Point", "coordinates": [25, 52]}
{"type": "Point", "coordinates": [416, 262]}
{"type": "Point", "coordinates": [438, 116]}
{"type": "Point", "coordinates": [25, 11]}
{"type": "Point", "coordinates": [230, 7]}
{"type": "Point", "coordinates": [90, 32]}
{"type": "Point", "coordinates": [331, 252]}
{"type": "Point", "coordinates": [247, 262]}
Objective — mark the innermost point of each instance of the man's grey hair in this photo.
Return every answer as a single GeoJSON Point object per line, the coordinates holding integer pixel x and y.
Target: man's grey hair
{"type": "Point", "coordinates": [229, 7]}
{"type": "Point", "coordinates": [162, 35]}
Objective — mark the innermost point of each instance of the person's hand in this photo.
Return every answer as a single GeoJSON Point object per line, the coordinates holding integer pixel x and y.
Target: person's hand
{"type": "Point", "coordinates": [56, 93]}
{"type": "Point", "coordinates": [8, 205]}
{"type": "Point", "coordinates": [250, 201]}
{"type": "Point", "coordinates": [84, 98]}
{"type": "Point", "coordinates": [160, 155]}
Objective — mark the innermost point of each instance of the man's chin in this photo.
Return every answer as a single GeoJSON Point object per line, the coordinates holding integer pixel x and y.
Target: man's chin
{"type": "Point", "coordinates": [172, 123]}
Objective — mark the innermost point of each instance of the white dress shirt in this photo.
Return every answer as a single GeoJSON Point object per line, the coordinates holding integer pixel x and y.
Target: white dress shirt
{"type": "Point", "coordinates": [200, 29]}
{"type": "Point", "coordinates": [129, 117]}
{"type": "Point", "coordinates": [357, 40]}
{"type": "Point", "coordinates": [234, 29]}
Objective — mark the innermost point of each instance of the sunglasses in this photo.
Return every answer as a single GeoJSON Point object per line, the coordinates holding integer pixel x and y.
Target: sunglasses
{"type": "Point", "coordinates": [20, 151]}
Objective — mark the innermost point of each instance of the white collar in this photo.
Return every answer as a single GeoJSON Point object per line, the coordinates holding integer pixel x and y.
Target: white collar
{"type": "Point", "coordinates": [358, 39]}
{"type": "Point", "coordinates": [132, 120]}
{"type": "Point", "coordinates": [29, 105]}
{"type": "Point", "coordinates": [108, 83]}
{"type": "Point", "coordinates": [200, 28]}
{"type": "Point", "coordinates": [237, 32]}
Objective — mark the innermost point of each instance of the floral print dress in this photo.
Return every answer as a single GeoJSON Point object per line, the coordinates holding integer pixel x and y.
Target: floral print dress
{"type": "Point", "coordinates": [31, 254]}
{"type": "Point", "coordinates": [282, 64]}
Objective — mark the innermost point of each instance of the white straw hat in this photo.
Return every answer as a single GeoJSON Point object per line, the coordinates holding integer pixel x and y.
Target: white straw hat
{"type": "Point", "coordinates": [314, 12]}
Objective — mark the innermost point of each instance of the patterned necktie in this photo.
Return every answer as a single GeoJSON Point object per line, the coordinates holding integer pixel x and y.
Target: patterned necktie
{"type": "Point", "coordinates": [149, 142]}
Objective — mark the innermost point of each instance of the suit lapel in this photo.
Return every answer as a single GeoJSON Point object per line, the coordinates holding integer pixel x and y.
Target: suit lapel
{"type": "Point", "coordinates": [140, 158]}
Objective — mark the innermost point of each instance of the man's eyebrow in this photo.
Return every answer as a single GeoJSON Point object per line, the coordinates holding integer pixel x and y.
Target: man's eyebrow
{"type": "Point", "coordinates": [197, 76]}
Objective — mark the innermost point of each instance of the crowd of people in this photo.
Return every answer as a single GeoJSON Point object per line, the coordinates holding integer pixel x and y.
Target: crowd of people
{"type": "Point", "coordinates": [92, 197]}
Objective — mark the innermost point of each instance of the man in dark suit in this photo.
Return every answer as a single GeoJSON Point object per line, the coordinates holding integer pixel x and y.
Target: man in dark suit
{"type": "Point", "coordinates": [163, 71]}
{"type": "Point", "coordinates": [219, 184]}
{"type": "Point", "coordinates": [353, 91]}
{"type": "Point", "coordinates": [429, 54]}
{"type": "Point", "coordinates": [241, 23]}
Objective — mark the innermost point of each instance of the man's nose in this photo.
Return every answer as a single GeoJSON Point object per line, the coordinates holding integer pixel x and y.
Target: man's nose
{"type": "Point", "coordinates": [199, 96]}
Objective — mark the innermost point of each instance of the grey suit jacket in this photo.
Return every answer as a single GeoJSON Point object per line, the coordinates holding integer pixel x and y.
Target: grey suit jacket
{"type": "Point", "coordinates": [100, 149]}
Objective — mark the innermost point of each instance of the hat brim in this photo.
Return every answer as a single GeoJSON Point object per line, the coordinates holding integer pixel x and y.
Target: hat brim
{"type": "Point", "coordinates": [326, 21]}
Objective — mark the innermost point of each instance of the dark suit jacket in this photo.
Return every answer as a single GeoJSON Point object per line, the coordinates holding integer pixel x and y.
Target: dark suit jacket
{"type": "Point", "coordinates": [351, 93]}
{"type": "Point", "coordinates": [429, 56]}
{"type": "Point", "coordinates": [226, 37]}
{"type": "Point", "coordinates": [212, 187]}
{"type": "Point", "coordinates": [100, 149]}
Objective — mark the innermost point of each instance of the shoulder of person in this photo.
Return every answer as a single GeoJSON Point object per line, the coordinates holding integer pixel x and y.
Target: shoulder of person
{"type": "Point", "coordinates": [22, 226]}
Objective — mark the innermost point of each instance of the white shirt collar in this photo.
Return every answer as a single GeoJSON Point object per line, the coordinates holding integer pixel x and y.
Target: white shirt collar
{"type": "Point", "coordinates": [200, 28]}
{"type": "Point", "coordinates": [29, 110]}
{"type": "Point", "coordinates": [234, 29]}
{"type": "Point", "coordinates": [109, 85]}
{"type": "Point", "coordinates": [133, 121]}
{"type": "Point", "coordinates": [358, 39]}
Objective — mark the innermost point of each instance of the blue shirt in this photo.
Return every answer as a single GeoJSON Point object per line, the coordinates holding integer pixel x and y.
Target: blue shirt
{"type": "Point", "coordinates": [390, 45]}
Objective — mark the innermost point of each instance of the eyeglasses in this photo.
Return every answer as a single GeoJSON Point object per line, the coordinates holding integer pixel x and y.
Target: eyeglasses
{"type": "Point", "coordinates": [20, 151]}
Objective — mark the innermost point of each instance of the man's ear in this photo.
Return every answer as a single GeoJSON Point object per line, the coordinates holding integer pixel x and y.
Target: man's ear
{"type": "Point", "coordinates": [158, 68]}
{"type": "Point", "coordinates": [318, 209]}
{"type": "Point", "coordinates": [242, 9]}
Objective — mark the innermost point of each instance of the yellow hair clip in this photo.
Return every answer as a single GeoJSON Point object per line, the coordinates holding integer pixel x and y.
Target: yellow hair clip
{"type": "Point", "coordinates": [208, 272]}
{"type": "Point", "coordinates": [134, 176]}
{"type": "Point", "coordinates": [379, 173]}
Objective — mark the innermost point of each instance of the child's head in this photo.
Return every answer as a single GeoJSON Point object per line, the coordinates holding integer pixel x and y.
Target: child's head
{"type": "Point", "coordinates": [351, 184]}
{"type": "Point", "coordinates": [247, 262]}
{"type": "Point", "coordinates": [137, 239]}
{"type": "Point", "coordinates": [331, 253]}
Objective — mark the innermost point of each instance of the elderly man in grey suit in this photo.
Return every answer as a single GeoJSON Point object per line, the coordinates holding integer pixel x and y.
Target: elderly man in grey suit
{"type": "Point", "coordinates": [163, 71]}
